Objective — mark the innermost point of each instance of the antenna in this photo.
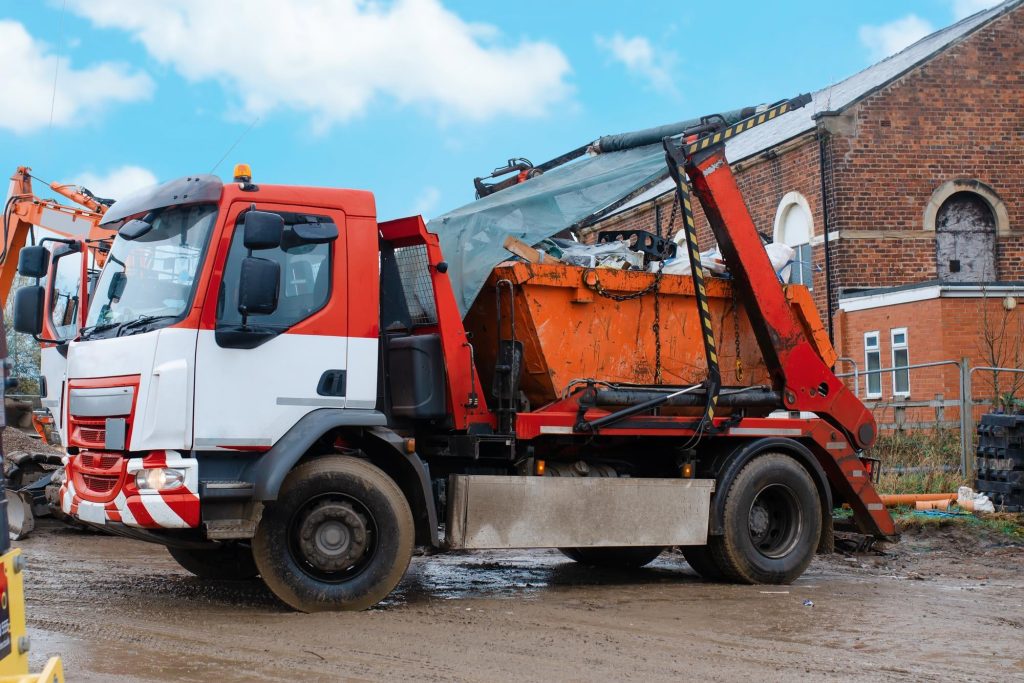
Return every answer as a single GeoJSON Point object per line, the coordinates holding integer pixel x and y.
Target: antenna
{"type": "Point", "coordinates": [235, 144]}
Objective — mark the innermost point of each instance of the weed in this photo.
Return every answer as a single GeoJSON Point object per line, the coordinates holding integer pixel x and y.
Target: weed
{"type": "Point", "coordinates": [919, 462]}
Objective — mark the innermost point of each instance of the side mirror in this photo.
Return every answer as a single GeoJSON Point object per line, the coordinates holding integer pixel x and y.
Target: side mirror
{"type": "Point", "coordinates": [28, 309]}
{"type": "Point", "coordinates": [117, 284]}
{"type": "Point", "coordinates": [263, 230]}
{"type": "Point", "coordinates": [258, 286]}
{"type": "Point", "coordinates": [134, 229]}
{"type": "Point", "coordinates": [33, 261]}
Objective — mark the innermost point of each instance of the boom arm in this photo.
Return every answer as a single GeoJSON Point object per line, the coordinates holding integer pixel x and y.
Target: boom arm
{"type": "Point", "coordinates": [798, 372]}
{"type": "Point", "coordinates": [24, 209]}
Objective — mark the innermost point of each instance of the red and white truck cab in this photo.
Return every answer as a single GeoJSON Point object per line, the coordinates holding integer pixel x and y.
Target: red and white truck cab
{"type": "Point", "coordinates": [271, 382]}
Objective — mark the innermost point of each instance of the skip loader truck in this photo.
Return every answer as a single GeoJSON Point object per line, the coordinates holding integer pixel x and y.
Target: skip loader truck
{"type": "Point", "coordinates": [270, 382]}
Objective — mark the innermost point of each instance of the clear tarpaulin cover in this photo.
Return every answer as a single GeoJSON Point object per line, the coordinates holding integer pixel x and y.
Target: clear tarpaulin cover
{"type": "Point", "coordinates": [472, 236]}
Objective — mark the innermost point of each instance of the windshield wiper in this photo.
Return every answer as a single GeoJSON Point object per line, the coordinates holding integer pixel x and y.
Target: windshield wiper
{"type": "Point", "coordinates": [88, 331]}
{"type": "Point", "coordinates": [140, 322]}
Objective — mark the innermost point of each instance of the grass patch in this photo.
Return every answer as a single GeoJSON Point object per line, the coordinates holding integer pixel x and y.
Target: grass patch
{"type": "Point", "coordinates": [919, 462]}
{"type": "Point", "coordinates": [1010, 525]}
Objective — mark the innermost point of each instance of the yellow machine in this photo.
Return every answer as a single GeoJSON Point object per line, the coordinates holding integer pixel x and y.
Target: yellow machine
{"type": "Point", "coordinates": [14, 643]}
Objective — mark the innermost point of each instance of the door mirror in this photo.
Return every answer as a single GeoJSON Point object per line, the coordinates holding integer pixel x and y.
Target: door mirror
{"type": "Point", "coordinates": [258, 286]}
{"type": "Point", "coordinates": [309, 233]}
{"type": "Point", "coordinates": [263, 230]}
{"type": "Point", "coordinates": [33, 261]}
{"type": "Point", "coordinates": [28, 310]}
{"type": "Point", "coordinates": [117, 284]}
{"type": "Point", "coordinates": [134, 229]}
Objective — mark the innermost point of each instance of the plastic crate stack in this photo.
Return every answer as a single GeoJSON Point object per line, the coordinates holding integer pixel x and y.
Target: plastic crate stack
{"type": "Point", "coordinates": [1001, 461]}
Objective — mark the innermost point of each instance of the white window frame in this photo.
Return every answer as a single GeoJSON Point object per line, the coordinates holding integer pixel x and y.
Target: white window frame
{"type": "Point", "coordinates": [877, 348]}
{"type": "Point", "coordinates": [790, 201]}
{"type": "Point", "coordinates": [894, 347]}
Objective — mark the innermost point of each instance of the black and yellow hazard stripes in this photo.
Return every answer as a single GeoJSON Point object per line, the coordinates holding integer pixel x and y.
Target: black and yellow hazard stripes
{"type": "Point", "coordinates": [684, 198]}
{"type": "Point", "coordinates": [679, 157]}
{"type": "Point", "coordinates": [722, 136]}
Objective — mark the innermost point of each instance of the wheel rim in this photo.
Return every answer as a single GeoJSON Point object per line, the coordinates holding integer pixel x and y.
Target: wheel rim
{"type": "Point", "coordinates": [332, 537]}
{"type": "Point", "coordinates": [774, 521]}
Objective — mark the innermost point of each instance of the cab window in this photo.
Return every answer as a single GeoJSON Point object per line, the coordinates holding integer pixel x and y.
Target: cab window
{"type": "Point", "coordinates": [64, 295]}
{"type": "Point", "coordinates": [305, 284]}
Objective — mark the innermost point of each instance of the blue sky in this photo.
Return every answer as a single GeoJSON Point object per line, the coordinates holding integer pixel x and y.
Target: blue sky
{"type": "Point", "coordinates": [409, 99]}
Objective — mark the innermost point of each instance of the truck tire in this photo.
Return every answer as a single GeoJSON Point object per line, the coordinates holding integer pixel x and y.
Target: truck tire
{"type": "Point", "coordinates": [771, 522]}
{"type": "Point", "coordinates": [339, 536]}
{"type": "Point", "coordinates": [228, 561]}
{"type": "Point", "coordinates": [700, 560]}
{"type": "Point", "coordinates": [615, 557]}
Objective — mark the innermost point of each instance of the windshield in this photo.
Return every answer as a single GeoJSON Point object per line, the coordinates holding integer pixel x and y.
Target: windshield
{"type": "Point", "coordinates": [152, 277]}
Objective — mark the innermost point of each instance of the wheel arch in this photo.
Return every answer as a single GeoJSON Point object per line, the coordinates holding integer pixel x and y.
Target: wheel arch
{"type": "Point", "coordinates": [383, 448]}
{"type": "Point", "coordinates": [727, 465]}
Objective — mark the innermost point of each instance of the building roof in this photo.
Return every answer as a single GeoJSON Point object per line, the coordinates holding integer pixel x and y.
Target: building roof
{"type": "Point", "coordinates": [839, 96]}
{"type": "Point", "coordinates": [866, 299]}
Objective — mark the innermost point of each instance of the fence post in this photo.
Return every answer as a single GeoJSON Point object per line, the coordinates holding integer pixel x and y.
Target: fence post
{"type": "Point", "coordinates": [966, 415]}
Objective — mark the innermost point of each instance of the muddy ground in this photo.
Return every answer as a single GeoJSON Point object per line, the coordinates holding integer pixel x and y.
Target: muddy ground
{"type": "Point", "coordinates": [945, 604]}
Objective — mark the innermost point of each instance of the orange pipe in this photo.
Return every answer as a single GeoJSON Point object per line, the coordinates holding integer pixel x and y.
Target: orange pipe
{"type": "Point", "coordinates": [895, 500]}
{"type": "Point", "coordinates": [932, 504]}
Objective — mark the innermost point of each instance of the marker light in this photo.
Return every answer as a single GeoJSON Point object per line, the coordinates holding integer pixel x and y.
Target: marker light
{"type": "Point", "coordinates": [539, 467]}
{"type": "Point", "coordinates": [159, 479]}
{"type": "Point", "coordinates": [243, 174]}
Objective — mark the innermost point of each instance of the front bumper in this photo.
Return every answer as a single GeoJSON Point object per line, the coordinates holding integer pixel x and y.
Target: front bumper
{"type": "Point", "coordinates": [124, 503]}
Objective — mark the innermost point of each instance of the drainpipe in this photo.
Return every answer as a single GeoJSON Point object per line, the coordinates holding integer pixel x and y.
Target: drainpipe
{"type": "Point", "coordinates": [823, 137]}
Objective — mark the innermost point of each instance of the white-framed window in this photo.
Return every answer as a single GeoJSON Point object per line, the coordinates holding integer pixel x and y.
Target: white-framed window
{"type": "Point", "coordinates": [900, 361]}
{"type": "Point", "coordinates": [872, 365]}
{"type": "Point", "coordinates": [794, 227]}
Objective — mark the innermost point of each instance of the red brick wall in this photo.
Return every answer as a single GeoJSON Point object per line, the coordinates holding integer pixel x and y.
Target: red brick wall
{"type": "Point", "coordinates": [957, 116]}
{"type": "Point", "coordinates": [937, 330]}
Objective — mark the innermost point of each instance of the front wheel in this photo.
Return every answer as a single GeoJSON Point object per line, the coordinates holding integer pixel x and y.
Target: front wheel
{"type": "Point", "coordinates": [614, 557]}
{"type": "Point", "coordinates": [227, 561]}
{"type": "Point", "coordinates": [339, 536]}
{"type": "Point", "coordinates": [771, 520]}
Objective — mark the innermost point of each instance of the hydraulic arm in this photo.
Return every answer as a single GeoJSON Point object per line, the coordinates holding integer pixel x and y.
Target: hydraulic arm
{"type": "Point", "coordinates": [24, 210]}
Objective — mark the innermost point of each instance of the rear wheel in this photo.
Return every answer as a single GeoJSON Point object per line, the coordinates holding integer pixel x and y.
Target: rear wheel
{"type": "Point", "coordinates": [339, 536]}
{"type": "Point", "coordinates": [615, 557]}
{"type": "Point", "coordinates": [227, 561]}
{"type": "Point", "coordinates": [772, 522]}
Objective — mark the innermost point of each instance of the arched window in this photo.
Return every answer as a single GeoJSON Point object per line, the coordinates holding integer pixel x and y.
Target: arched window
{"type": "Point", "coordinates": [965, 239]}
{"type": "Point", "coordinates": [794, 227]}
{"type": "Point", "coordinates": [966, 216]}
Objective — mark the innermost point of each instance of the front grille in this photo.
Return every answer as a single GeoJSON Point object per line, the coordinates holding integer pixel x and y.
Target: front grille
{"type": "Point", "coordinates": [88, 432]}
{"type": "Point", "coordinates": [99, 484]}
{"type": "Point", "coordinates": [97, 476]}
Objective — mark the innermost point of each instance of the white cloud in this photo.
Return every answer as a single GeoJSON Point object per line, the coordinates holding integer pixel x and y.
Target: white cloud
{"type": "Point", "coordinates": [888, 39]}
{"type": "Point", "coordinates": [333, 58]}
{"type": "Point", "coordinates": [427, 201]}
{"type": "Point", "coordinates": [640, 58]}
{"type": "Point", "coordinates": [26, 81]}
{"type": "Point", "coordinates": [965, 8]}
{"type": "Point", "coordinates": [118, 183]}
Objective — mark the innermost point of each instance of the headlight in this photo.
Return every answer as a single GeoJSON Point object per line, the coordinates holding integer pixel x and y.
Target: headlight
{"type": "Point", "coordinates": [159, 479]}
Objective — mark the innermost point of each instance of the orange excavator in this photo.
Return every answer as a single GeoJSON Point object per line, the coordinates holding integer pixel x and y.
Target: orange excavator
{"type": "Point", "coordinates": [61, 226]}
{"type": "Point", "coordinates": [24, 211]}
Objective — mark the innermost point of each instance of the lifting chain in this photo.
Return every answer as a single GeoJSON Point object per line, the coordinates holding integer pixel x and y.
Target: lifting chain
{"type": "Point", "coordinates": [654, 287]}
{"type": "Point", "coordinates": [736, 329]}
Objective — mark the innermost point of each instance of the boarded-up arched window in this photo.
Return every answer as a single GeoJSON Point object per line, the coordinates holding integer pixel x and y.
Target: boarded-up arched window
{"type": "Point", "coordinates": [965, 239]}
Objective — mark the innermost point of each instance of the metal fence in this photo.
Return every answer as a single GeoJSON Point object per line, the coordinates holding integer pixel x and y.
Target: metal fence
{"type": "Point", "coordinates": [907, 414]}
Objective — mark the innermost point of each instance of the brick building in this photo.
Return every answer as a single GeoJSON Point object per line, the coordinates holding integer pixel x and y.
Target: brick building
{"type": "Point", "coordinates": [902, 189]}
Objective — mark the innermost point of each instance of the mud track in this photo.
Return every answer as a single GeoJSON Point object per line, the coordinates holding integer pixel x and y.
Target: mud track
{"type": "Point", "coordinates": [946, 604]}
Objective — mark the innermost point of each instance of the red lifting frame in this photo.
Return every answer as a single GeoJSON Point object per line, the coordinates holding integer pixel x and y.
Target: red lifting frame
{"type": "Point", "coordinates": [844, 425]}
